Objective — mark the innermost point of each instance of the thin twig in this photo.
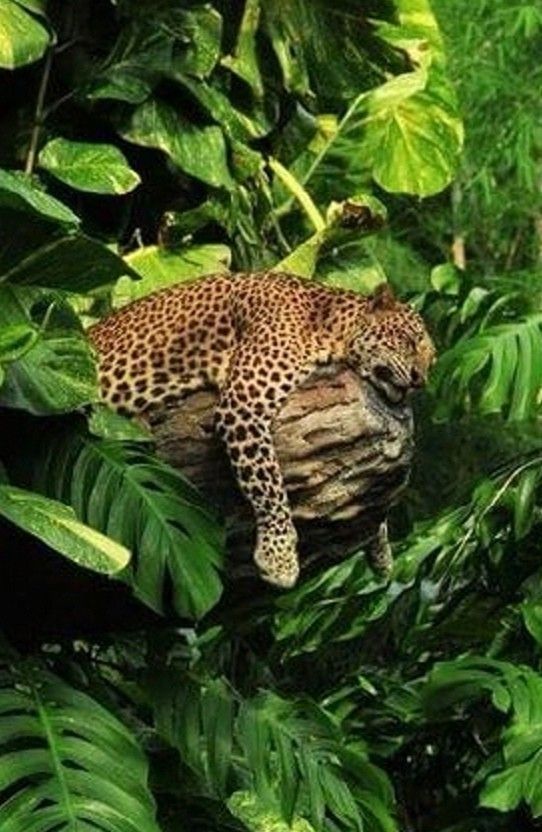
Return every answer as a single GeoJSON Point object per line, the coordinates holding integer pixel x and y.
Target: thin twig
{"type": "Point", "coordinates": [38, 114]}
{"type": "Point", "coordinates": [56, 104]}
{"type": "Point", "coordinates": [513, 248]}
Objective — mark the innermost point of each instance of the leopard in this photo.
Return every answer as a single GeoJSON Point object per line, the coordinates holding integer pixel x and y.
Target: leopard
{"type": "Point", "coordinates": [255, 337]}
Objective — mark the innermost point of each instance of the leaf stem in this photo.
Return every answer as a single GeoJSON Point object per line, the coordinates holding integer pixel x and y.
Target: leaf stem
{"type": "Point", "coordinates": [38, 114]}
{"type": "Point", "coordinates": [57, 766]}
{"type": "Point", "coordinates": [299, 193]}
{"type": "Point", "coordinates": [285, 207]}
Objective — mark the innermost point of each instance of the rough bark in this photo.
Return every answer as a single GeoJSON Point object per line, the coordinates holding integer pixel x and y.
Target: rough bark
{"type": "Point", "coordinates": [345, 453]}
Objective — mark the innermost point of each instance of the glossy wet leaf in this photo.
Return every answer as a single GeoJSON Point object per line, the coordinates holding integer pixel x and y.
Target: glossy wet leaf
{"type": "Point", "coordinates": [57, 374]}
{"type": "Point", "coordinates": [23, 39]}
{"type": "Point", "coordinates": [413, 135]}
{"type": "Point", "coordinates": [58, 527]}
{"type": "Point", "coordinates": [19, 191]}
{"type": "Point", "coordinates": [97, 168]}
{"type": "Point", "coordinates": [198, 151]}
{"type": "Point", "coordinates": [107, 424]}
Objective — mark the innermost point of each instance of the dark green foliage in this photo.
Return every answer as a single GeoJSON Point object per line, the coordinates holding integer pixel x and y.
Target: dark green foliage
{"type": "Point", "coordinates": [67, 762]}
{"type": "Point", "coordinates": [133, 497]}
{"type": "Point", "coordinates": [145, 143]}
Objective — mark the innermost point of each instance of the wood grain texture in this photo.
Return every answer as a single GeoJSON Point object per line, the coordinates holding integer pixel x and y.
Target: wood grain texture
{"type": "Point", "coordinates": [344, 451]}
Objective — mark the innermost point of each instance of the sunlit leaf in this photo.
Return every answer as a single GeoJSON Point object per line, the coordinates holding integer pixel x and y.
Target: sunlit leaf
{"type": "Point", "coordinates": [413, 135]}
{"type": "Point", "coordinates": [57, 373]}
{"type": "Point", "coordinates": [198, 151]}
{"type": "Point", "coordinates": [23, 39]}
{"type": "Point", "coordinates": [259, 818]}
{"type": "Point", "coordinates": [107, 424]}
{"type": "Point", "coordinates": [160, 268]}
{"type": "Point", "coordinates": [98, 168]}
{"type": "Point", "coordinates": [57, 525]}
{"type": "Point", "coordinates": [244, 60]}
{"type": "Point", "coordinates": [19, 191]}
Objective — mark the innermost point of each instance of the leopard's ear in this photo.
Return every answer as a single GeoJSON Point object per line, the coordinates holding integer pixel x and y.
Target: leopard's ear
{"type": "Point", "coordinates": [381, 298]}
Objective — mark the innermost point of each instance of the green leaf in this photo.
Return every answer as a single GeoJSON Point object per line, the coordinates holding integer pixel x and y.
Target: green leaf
{"type": "Point", "coordinates": [57, 374]}
{"type": "Point", "coordinates": [141, 502]}
{"type": "Point", "coordinates": [160, 268]}
{"type": "Point", "coordinates": [292, 750]}
{"type": "Point", "coordinates": [36, 6]}
{"type": "Point", "coordinates": [74, 263]}
{"type": "Point", "coordinates": [15, 340]}
{"type": "Point", "coordinates": [97, 168]}
{"type": "Point", "coordinates": [494, 371]}
{"type": "Point", "coordinates": [123, 82]}
{"type": "Point", "coordinates": [413, 135]}
{"type": "Point", "coordinates": [282, 26]}
{"type": "Point", "coordinates": [302, 260]}
{"type": "Point", "coordinates": [23, 39]}
{"type": "Point", "coordinates": [286, 759]}
{"type": "Point", "coordinates": [169, 41]}
{"type": "Point", "coordinates": [244, 60]}
{"type": "Point", "coordinates": [65, 762]}
{"type": "Point", "coordinates": [198, 151]}
{"type": "Point", "coordinates": [236, 123]}
{"type": "Point", "coordinates": [246, 807]}
{"type": "Point", "coordinates": [524, 500]}
{"type": "Point", "coordinates": [107, 424]}
{"type": "Point", "coordinates": [514, 775]}
{"type": "Point", "coordinates": [197, 719]}
{"type": "Point", "coordinates": [57, 525]}
{"type": "Point", "coordinates": [532, 617]}
{"type": "Point", "coordinates": [503, 791]}
{"type": "Point", "coordinates": [445, 279]}
{"type": "Point", "coordinates": [19, 191]}
{"type": "Point", "coordinates": [200, 31]}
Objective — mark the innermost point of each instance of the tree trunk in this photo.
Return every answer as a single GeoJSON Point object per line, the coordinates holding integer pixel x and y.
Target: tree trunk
{"type": "Point", "coordinates": [345, 453]}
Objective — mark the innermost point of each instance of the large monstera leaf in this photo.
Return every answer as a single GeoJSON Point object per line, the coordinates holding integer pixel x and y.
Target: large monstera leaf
{"type": "Point", "coordinates": [65, 762]}
{"type": "Point", "coordinates": [139, 501]}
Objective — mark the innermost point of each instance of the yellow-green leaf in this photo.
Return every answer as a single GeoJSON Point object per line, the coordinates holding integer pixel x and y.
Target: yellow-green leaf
{"type": "Point", "coordinates": [97, 168]}
{"type": "Point", "coordinates": [159, 269]}
{"type": "Point", "coordinates": [57, 525]}
{"type": "Point", "coordinates": [22, 38]}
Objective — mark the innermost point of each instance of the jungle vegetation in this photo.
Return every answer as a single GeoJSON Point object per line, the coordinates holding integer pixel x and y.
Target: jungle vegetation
{"type": "Point", "coordinates": [143, 142]}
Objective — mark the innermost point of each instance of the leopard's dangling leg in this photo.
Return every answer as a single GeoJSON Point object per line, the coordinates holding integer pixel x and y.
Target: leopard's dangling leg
{"type": "Point", "coordinates": [256, 387]}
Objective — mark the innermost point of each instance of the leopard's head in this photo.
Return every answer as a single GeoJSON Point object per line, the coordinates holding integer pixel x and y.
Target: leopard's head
{"type": "Point", "coordinates": [392, 348]}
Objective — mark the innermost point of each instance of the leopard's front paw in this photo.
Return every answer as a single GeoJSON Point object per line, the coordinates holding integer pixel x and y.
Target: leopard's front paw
{"type": "Point", "coordinates": [276, 558]}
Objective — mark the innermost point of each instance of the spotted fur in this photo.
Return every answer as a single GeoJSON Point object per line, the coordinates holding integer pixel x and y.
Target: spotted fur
{"type": "Point", "coordinates": [256, 337]}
